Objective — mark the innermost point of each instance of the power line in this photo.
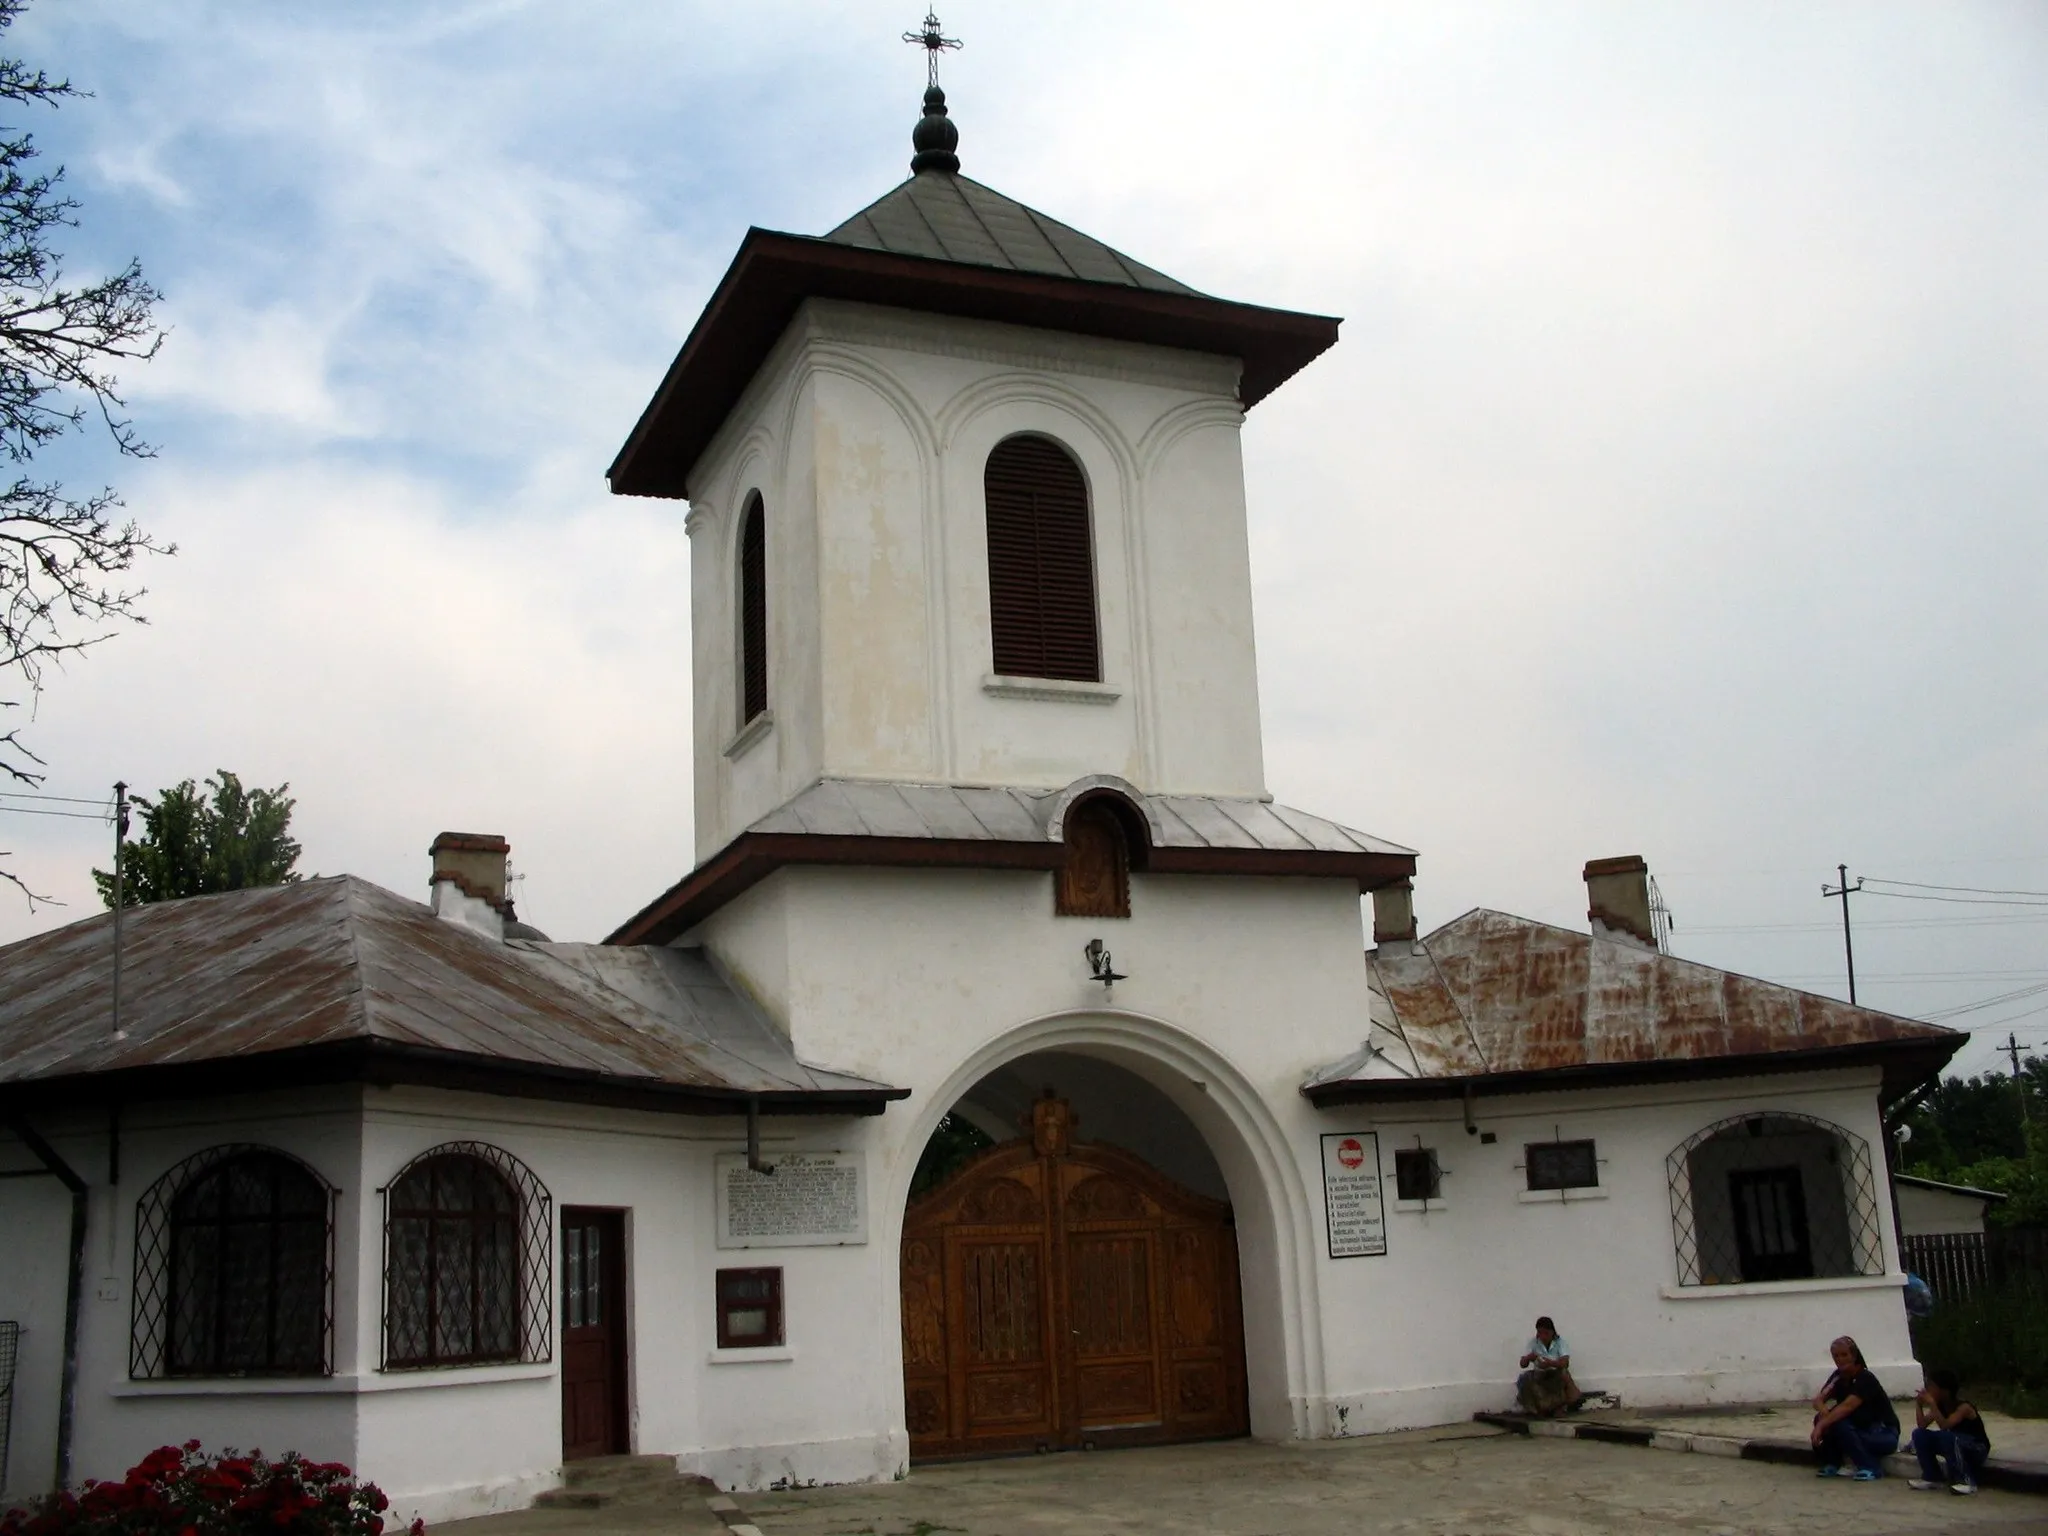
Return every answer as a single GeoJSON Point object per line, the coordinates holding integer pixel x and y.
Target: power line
{"type": "Point", "coordinates": [1965, 901]}
{"type": "Point", "coordinates": [30, 794]}
{"type": "Point", "coordinates": [29, 810]}
{"type": "Point", "coordinates": [1975, 890]}
{"type": "Point", "coordinates": [1989, 1002]}
{"type": "Point", "coordinates": [1875, 922]}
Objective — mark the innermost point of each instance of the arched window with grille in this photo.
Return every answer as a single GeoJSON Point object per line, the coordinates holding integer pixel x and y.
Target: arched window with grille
{"type": "Point", "coordinates": [753, 607]}
{"type": "Point", "coordinates": [467, 1260]}
{"type": "Point", "coordinates": [1041, 563]}
{"type": "Point", "coordinates": [1774, 1196]}
{"type": "Point", "coordinates": [234, 1268]}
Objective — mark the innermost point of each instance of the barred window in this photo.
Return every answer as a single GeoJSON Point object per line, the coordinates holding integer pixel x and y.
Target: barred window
{"type": "Point", "coordinates": [1561, 1165]}
{"type": "Point", "coordinates": [467, 1260]}
{"type": "Point", "coordinates": [234, 1268]}
{"type": "Point", "coordinates": [1774, 1197]}
{"type": "Point", "coordinates": [1416, 1175]}
{"type": "Point", "coordinates": [1041, 563]}
{"type": "Point", "coordinates": [753, 610]}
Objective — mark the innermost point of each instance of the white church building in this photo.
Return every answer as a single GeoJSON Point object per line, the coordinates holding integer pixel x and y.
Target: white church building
{"type": "Point", "coordinates": [984, 851]}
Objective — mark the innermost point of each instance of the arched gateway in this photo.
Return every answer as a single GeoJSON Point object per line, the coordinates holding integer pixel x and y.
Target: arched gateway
{"type": "Point", "coordinates": [1060, 1293]}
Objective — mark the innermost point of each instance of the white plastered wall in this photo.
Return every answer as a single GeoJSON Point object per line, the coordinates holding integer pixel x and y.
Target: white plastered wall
{"type": "Point", "coordinates": [117, 1421]}
{"type": "Point", "coordinates": [1467, 1279]}
{"type": "Point", "coordinates": [865, 432]}
{"type": "Point", "coordinates": [1235, 990]}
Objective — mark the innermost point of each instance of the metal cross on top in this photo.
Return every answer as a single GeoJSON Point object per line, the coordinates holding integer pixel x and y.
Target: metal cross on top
{"type": "Point", "coordinates": [933, 43]}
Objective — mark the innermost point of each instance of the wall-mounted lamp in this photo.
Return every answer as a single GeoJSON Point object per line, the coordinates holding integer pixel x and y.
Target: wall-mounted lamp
{"type": "Point", "coordinates": [1099, 966]}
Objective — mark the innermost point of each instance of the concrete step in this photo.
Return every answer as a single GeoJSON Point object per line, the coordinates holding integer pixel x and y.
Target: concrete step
{"type": "Point", "coordinates": [617, 1471]}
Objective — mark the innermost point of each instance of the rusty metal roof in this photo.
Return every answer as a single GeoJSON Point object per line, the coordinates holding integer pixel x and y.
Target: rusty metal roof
{"type": "Point", "coordinates": [338, 969]}
{"type": "Point", "coordinates": [1501, 1003]}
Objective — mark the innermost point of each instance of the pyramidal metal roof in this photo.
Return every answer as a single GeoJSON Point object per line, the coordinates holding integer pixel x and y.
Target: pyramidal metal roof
{"type": "Point", "coordinates": [949, 217]}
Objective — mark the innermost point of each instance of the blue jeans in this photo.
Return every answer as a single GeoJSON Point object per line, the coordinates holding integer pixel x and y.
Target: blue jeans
{"type": "Point", "coordinates": [1966, 1457]}
{"type": "Point", "coordinates": [1867, 1447]}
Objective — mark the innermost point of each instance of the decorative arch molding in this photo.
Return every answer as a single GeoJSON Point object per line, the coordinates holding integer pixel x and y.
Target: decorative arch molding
{"type": "Point", "coordinates": [998, 390]}
{"type": "Point", "coordinates": [1181, 420]}
{"type": "Point", "coordinates": [1096, 784]}
{"type": "Point", "coordinates": [532, 1316]}
{"type": "Point", "coordinates": [151, 1321]}
{"type": "Point", "coordinates": [1275, 1220]}
{"type": "Point", "coordinates": [1705, 1259]}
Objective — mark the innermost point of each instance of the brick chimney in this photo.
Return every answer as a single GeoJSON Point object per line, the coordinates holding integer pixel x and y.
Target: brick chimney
{"type": "Point", "coordinates": [1618, 898]}
{"type": "Point", "coordinates": [468, 882]}
{"type": "Point", "coordinates": [1393, 912]}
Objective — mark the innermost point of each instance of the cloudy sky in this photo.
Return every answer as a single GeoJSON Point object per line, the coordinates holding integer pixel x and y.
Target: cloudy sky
{"type": "Point", "coordinates": [1677, 488]}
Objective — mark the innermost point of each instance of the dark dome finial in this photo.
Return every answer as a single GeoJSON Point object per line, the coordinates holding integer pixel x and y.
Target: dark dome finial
{"type": "Point", "coordinates": [935, 138]}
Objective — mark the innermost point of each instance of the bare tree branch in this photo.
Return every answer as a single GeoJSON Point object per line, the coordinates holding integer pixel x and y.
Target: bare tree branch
{"type": "Point", "coordinates": [61, 345]}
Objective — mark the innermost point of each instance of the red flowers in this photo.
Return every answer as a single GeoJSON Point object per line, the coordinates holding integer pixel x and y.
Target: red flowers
{"type": "Point", "coordinates": [181, 1491]}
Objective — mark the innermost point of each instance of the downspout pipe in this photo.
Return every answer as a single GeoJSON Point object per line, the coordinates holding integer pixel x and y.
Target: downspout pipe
{"type": "Point", "coordinates": [74, 1285]}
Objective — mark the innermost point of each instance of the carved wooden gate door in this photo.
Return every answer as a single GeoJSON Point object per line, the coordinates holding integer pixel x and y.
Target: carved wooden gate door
{"type": "Point", "coordinates": [1059, 1293]}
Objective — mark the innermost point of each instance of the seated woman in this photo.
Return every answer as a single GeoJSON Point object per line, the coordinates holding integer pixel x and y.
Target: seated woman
{"type": "Point", "coordinates": [1852, 1417]}
{"type": "Point", "coordinates": [1951, 1428]}
{"type": "Point", "coordinates": [1545, 1388]}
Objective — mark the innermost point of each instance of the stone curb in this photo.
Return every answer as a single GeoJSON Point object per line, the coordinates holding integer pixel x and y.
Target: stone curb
{"type": "Point", "coordinates": [2011, 1476]}
{"type": "Point", "coordinates": [728, 1510]}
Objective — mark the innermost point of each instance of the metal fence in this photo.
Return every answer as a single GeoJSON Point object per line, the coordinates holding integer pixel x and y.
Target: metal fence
{"type": "Point", "coordinates": [10, 1351]}
{"type": "Point", "coordinates": [1956, 1265]}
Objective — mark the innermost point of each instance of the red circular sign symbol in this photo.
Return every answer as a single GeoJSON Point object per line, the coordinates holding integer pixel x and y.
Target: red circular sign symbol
{"type": "Point", "coordinates": [1349, 1152]}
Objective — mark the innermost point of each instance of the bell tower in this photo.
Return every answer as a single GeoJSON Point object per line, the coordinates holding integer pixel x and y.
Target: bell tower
{"type": "Point", "coordinates": [966, 504]}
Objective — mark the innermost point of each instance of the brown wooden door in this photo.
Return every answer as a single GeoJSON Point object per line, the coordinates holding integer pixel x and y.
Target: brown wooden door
{"type": "Point", "coordinates": [1059, 1293]}
{"type": "Point", "coordinates": [593, 1333]}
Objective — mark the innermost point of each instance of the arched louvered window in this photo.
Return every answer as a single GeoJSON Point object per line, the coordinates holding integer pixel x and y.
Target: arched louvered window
{"type": "Point", "coordinates": [1041, 563]}
{"type": "Point", "coordinates": [753, 610]}
{"type": "Point", "coordinates": [234, 1261]}
{"type": "Point", "coordinates": [466, 1260]}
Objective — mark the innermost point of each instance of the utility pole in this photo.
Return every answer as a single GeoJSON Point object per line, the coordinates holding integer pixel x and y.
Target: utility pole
{"type": "Point", "coordinates": [120, 837]}
{"type": "Point", "coordinates": [1845, 890]}
{"type": "Point", "coordinates": [2012, 1049]}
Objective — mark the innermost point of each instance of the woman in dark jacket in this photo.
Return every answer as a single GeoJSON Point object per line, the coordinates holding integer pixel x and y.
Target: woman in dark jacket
{"type": "Point", "coordinates": [1852, 1417]}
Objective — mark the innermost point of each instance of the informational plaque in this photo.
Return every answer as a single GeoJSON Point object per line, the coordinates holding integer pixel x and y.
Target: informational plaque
{"type": "Point", "coordinates": [1351, 1195]}
{"type": "Point", "coordinates": [811, 1200]}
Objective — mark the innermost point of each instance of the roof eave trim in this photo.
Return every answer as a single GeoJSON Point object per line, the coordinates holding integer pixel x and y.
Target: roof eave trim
{"type": "Point", "coordinates": [753, 856]}
{"type": "Point", "coordinates": [1932, 1054]}
{"type": "Point", "coordinates": [385, 1063]}
{"type": "Point", "coordinates": [1294, 338]}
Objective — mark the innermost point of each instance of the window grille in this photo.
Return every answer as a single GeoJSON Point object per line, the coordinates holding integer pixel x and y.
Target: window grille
{"type": "Point", "coordinates": [1041, 563]}
{"type": "Point", "coordinates": [468, 1260]}
{"type": "Point", "coordinates": [234, 1268]}
{"type": "Point", "coordinates": [749, 1308]}
{"type": "Point", "coordinates": [753, 610]}
{"type": "Point", "coordinates": [1561, 1165]}
{"type": "Point", "coordinates": [1774, 1196]}
{"type": "Point", "coordinates": [1416, 1174]}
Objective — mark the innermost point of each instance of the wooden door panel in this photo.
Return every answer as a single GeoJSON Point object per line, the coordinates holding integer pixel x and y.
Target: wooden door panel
{"type": "Point", "coordinates": [593, 1333]}
{"type": "Point", "coordinates": [1055, 1291]}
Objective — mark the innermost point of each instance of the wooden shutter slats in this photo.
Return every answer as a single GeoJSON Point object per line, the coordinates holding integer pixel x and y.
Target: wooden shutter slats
{"type": "Point", "coordinates": [1041, 563]}
{"type": "Point", "coordinates": [753, 612]}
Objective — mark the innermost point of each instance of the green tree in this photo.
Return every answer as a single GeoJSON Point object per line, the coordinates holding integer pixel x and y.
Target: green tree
{"type": "Point", "coordinates": [194, 844]}
{"type": "Point", "coordinates": [1989, 1132]}
{"type": "Point", "coordinates": [62, 557]}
